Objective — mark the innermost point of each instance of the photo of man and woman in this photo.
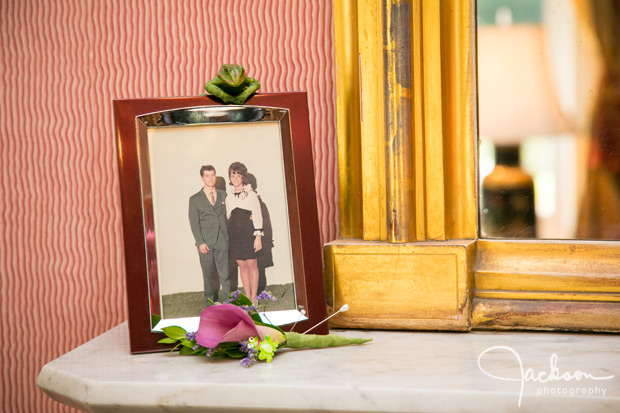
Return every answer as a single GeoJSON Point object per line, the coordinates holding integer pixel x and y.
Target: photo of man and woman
{"type": "Point", "coordinates": [216, 229]}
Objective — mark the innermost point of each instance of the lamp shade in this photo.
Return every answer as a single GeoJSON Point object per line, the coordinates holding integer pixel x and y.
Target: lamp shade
{"type": "Point", "coordinates": [515, 95]}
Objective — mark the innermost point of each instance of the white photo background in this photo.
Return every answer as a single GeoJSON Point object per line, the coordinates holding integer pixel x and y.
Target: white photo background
{"type": "Point", "coordinates": [175, 156]}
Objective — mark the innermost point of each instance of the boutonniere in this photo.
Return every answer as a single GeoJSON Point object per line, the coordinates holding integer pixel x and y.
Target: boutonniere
{"type": "Point", "coordinates": [235, 330]}
{"type": "Point", "coordinates": [241, 194]}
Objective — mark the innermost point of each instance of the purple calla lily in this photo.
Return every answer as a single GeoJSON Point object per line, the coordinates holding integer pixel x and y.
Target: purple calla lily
{"type": "Point", "coordinates": [228, 323]}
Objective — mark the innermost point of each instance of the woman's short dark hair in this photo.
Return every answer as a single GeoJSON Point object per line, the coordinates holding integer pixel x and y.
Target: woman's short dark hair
{"type": "Point", "coordinates": [240, 169]}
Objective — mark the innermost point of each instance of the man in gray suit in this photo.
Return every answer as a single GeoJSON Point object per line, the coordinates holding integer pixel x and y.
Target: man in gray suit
{"type": "Point", "coordinates": [207, 218]}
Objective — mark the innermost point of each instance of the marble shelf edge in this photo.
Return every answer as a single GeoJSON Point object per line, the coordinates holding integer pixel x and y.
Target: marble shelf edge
{"type": "Point", "coordinates": [397, 372]}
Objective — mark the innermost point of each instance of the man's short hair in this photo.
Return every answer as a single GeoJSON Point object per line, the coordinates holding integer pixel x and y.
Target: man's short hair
{"type": "Point", "coordinates": [206, 168]}
{"type": "Point", "coordinates": [240, 169]}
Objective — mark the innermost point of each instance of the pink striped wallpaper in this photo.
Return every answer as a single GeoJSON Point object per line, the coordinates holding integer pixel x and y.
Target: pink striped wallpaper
{"type": "Point", "coordinates": [61, 259]}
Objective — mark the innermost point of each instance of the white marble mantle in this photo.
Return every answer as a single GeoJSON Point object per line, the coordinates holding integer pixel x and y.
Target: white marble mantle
{"type": "Point", "coordinates": [397, 372]}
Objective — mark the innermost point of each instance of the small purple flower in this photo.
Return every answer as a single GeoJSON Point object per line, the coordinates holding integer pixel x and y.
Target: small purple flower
{"type": "Point", "coordinates": [196, 347]}
{"type": "Point", "coordinates": [249, 347]}
{"type": "Point", "coordinates": [233, 296]}
{"type": "Point", "coordinates": [265, 295]}
{"type": "Point", "coordinates": [249, 309]}
{"type": "Point", "coordinates": [246, 362]}
{"type": "Point", "coordinates": [209, 352]}
{"type": "Point", "coordinates": [190, 336]}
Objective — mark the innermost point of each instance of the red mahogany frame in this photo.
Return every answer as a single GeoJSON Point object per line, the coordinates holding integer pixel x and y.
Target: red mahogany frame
{"type": "Point", "coordinates": [301, 199]}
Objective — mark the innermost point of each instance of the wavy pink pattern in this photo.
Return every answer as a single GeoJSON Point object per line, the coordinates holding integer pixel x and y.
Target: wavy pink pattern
{"type": "Point", "coordinates": [62, 63]}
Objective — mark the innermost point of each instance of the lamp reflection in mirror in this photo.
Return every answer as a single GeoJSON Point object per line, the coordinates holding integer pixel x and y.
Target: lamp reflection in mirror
{"type": "Point", "coordinates": [516, 101]}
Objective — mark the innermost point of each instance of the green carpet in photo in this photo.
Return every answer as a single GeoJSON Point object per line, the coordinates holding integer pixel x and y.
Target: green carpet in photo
{"type": "Point", "coordinates": [191, 304]}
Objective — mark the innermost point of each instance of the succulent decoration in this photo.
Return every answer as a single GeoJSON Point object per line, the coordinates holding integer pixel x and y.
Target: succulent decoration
{"type": "Point", "coordinates": [232, 85]}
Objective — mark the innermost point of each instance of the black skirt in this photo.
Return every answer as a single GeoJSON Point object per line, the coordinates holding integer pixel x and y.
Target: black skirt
{"type": "Point", "coordinates": [241, 235]}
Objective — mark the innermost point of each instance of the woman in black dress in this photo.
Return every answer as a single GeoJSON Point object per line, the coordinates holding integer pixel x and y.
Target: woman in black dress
{"type": "Point", "coordinates": [245, 227]}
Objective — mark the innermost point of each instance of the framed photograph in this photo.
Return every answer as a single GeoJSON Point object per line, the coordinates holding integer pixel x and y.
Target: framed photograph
{"type": "Point", "coordinates": [201, 183]}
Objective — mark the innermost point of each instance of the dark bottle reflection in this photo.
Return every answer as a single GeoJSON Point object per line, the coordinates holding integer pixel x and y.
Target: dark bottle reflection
{"type": "Point", "coordinates": [508, 198]}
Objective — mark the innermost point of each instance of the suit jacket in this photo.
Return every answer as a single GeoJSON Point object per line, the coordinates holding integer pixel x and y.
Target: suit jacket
{"type": "Point", "coordinates": [265, 256]}
{"type": "Point", "coordinates": [208, 222]}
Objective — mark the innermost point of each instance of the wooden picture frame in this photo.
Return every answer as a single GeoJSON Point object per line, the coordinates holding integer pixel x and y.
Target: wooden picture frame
{"type": "Point", "coordinates": [151, 163]}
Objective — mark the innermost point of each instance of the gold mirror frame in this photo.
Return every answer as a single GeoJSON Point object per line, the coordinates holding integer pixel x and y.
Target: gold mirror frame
{"type": "Point", "coordinates": [409, 256]}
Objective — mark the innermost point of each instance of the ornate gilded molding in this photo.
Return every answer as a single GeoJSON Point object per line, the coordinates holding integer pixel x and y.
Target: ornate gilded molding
{"type": "Point", "coordinates": [417, 286]}
{"type": "Point", "coordinates": [547, 285]}
{"type": "Point", "coordinates": [398, 169]}
{"type": "Point", "coordinates": [408, 173]}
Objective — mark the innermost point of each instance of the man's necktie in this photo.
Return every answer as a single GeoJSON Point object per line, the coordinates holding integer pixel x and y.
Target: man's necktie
{"type": "Point", "coordinates": [212, 198]}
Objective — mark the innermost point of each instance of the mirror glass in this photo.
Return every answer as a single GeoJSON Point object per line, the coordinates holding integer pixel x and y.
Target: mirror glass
{"type": "Point", "coordinates": [549, 118]}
